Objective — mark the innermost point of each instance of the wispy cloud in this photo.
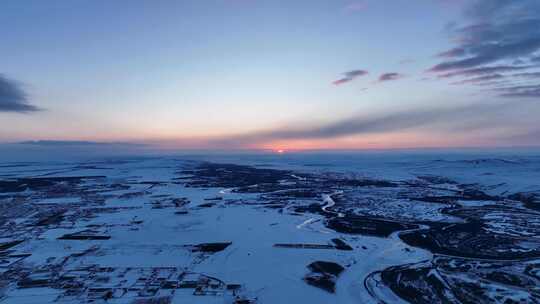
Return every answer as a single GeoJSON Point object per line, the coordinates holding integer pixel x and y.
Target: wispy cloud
{"type": "Point", "coordinates": [356, 6]}
{"type": "Point", "coordinates": [485, 70]}
{"type": "Point", "coordinates": [530, 75]}
{"type": "Point", "coordinates": [406, 61]}
{"type": "Point", "coordinates": [349, 76]}
{"type": "Point", "coordinates": [480, 79]}
{"type": "Point", "coordinates": [496, 30]}
{"type": "Point", "coordinates": [491, 54]}
{"type": "Point", "coordinates": [498, 37]}
{"type": "Point", "coordinates": [497, 79]}
{"type": "Point", "coordinates": [455, 52]}
{"type": "Point", "coordinates": [390, 76]}
{"type": "Point", "coordinates": [527, 91]}
{"type": "Point", "coordinates": [13, 98]}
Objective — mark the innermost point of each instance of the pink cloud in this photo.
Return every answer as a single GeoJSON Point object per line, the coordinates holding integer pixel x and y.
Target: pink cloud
{"type": "Point", "coordinates": [349, 76]}
{"type": "Point", "coordinates": [341, 81]}
{"type": "Point", "coordinates": [390, 76]}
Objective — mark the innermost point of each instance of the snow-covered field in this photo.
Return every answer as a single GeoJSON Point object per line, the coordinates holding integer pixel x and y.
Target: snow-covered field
{"type": "Point", "coordinates": [264, 228]}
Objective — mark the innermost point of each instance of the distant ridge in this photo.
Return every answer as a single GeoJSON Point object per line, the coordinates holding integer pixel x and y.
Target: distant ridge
{"type": "Point", "coordinates": [76, 143]}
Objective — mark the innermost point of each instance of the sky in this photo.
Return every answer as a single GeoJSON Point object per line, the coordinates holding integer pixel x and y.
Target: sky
{"type": "Point", "coordinates": [271, 74]}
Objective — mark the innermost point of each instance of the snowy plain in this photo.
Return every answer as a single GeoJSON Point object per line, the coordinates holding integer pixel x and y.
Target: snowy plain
{"type": "Point", "coordinates": [143, 219]}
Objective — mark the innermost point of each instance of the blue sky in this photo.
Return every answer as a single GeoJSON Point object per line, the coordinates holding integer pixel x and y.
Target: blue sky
{"type": "Point", "coordinates": [254, 73]}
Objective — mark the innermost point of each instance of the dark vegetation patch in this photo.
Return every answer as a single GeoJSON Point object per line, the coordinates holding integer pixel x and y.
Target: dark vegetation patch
{"type": "Point", "coordinates": [50, 217]}
{"type": "Point", "coordinates": [304, 246]}
{"type": "Point", "coordinates": [470, 240]}
{"type": "Point", "coordinates": [341, 245]}
{"type": "Point", "coordinates": [37, 279]}
{"type": "Point", "coordinates": [326, 268]}
{"type": "Point", "coordinates": [464, 195]}
{"type": "Point", "coordinates": [415, 285]}
{"type": "Point", "coordinates": [366, 225]}
{"type": "Point", "coordinates": [457, 280]}
{"type": "Point", "coordinates": [305, 193]}
{"type": "Point", "coordinates": [443, 199]}
{"type": "Point", "coordinates": [85, 235]}
{"type": "Point", "coordinates": [437, 180]}
{"type": "Point", "coordinates": [323, 275]}
{"type": "Point", "coordinates": [471, 194]}
{"type": "Point", "coordinates": [217, 198]}
{"type": "Point", "coordinates": [315, 208]}
{"type": "Point", "coordinates": [229, 176]}
{"type": "Point", "coordinates": [210, 247]}
{"type": "Point", "coordinates": [358, 183]}
{"type": "Point", "coordinates": [338, 244]}
{"type": "Point", "coordinates": [267, 188]}
{"type": "Point", "coordinates": [39, 183]}
{"type": "Point", "coordinates": [207, 205]}
{"type": "Point", "coordinates": [530, 200]}
{"type": "Point", "coordinates": [7, 245]}
{"type": "Point", "coordinates": [156, 300]}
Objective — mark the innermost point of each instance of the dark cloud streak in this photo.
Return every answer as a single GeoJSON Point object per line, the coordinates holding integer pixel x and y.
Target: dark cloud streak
{"type": "Point", "coordinates": [13, 98]}
{"type": "Point", "coordinates": [357, 125]}
{"type": "Point", "coordinates": [349, 76]}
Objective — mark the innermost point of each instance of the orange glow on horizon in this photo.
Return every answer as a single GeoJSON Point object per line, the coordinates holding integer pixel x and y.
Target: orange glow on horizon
{"type": "Point", "coordinates": [372, 141]}
{"type": "Point", "coordinates": [398, 140]}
